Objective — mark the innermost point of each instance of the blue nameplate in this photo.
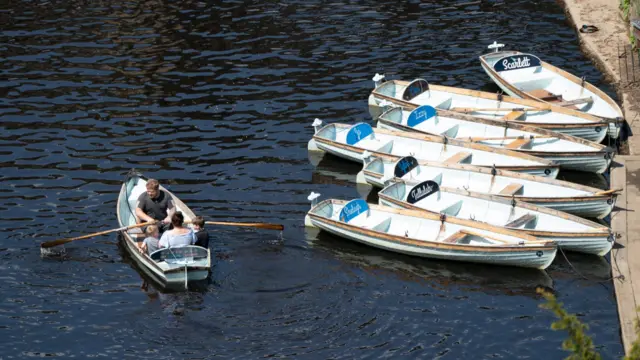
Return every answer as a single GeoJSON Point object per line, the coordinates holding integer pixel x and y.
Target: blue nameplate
{"type": "Point", "coordinates": [516, 62]}
{"type": "Point", "coordinates": [358, 132]}
{"type": "Point", "coordinates": [421, 114]}
{"type": "Point", "coordinates": [352, 209]}
{"type": "Point", "coordinates": [404, 166]}
{"type": "Point", "coordinates": [415, 88]}
{"type": "Point", "coordinates": [422, 190]}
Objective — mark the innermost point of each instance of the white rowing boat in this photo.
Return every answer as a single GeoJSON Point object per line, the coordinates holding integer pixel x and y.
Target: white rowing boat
{"type": "Point", "coordinates": [559, 195]}
{"type": "Point", "coordinates": [171, 268]}
{"type": "Point", "coordinates": [429, 235]}
{"type": "Point", "coordinates": [526, 76]}
{"type": "Point", "coordinates": [446, 99]}
{"type": "Point", "coordinates": [567, 151]}
{"type": "Point", "coordinates": [569, 231]}
{"type": "Point", "coordinates": [351, 142]}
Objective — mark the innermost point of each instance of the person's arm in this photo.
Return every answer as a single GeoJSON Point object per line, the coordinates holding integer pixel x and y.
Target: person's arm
{"type": "Point", "coordinates": [171, 209]}
{"type": "Point", "coordinates": [143, 247]}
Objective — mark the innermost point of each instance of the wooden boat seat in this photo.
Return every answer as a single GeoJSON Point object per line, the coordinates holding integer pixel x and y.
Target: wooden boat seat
{"type": "Point", "coordinates": [511, 189]}
{"type": "Point", "coordinates": [518, 143]}
{"type": "Point", "coordinates": [453, 239]}
{"type": "Point", "coordinates": [544, 95]}
{"type": "Point", "coordinates": [513, 115]}
{"type": "Point", "coordinates": [458, 157]}
{"type": "Point", "coordinates": [522, 220]}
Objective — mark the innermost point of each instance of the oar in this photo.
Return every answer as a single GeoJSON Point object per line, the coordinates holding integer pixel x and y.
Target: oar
{"type": "Point", "coordinates": [470, 110]}
{"type": "Point", "coordinates": [53, 243]}
{"type": "Point", "coordinates": [255, 225]}
{"type": "Point", "coordinates": [600, 193]}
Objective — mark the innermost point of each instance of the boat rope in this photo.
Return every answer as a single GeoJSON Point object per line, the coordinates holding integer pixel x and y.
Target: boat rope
{"type": "Point", "coordinates": [621, 277]}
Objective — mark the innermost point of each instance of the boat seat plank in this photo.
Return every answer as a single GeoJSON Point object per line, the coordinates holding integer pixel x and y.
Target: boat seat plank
{"type": "Point", "coordinates": [518, 143]}
{"type": "Point", "coordinates": [587, 99]}
{"type": "Point", "coordinates": [545, 95]}
{"type": "Point", "coordinates": [513, 115]}
{"type": "Point", "coordinates": [453, 239]}
{"type": "Point", "coordinates": [522, 220]}
{"type": "Point", "coordinates": [458, 157]}
{"type": "Point", "coordinates": [511, 189]}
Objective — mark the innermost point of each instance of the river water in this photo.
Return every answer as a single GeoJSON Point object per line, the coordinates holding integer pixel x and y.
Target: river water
{"type": "Point", "coordinates": [216, 99]}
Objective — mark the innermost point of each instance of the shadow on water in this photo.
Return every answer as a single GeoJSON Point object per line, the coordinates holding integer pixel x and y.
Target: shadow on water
{"type": "Point", "coordinates": [436, 273]}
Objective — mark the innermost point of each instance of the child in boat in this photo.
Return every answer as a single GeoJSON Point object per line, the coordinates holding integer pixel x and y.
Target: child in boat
{"type": "Point", "coordinates": [150, 243]}
{"type": "Point", "coordinates": [201, 233]}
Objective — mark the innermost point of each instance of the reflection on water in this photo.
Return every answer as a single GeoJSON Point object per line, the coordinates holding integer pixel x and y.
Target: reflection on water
{"type": "Point", "coordinates": [216, 99]}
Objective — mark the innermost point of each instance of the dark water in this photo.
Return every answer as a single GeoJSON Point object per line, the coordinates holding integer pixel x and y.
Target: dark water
{"type": "Point", "coordinates": [216, 101]}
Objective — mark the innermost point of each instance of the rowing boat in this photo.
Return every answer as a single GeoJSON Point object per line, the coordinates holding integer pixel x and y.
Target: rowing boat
{"type": "Point", "coordinates": [172, 268]}
{"type": "Point", "coordinates": [351, 142]}
{"type": "Point", "coordinates": [428, 235]}
{"type": "Point", "coordinates": [569, 231]}
{"type": "Point", "coordinates": [559, 195]}
{"type": "Point", "coordinates": [481, 104]}
{"type": "Point", "coordinates": [526, 76]}
{"type": "Point", "coordinates": [567, 151]}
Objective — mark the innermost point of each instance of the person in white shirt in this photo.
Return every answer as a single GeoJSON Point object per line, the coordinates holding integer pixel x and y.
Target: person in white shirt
{"type": "Point", "coordinates": [179, 235]}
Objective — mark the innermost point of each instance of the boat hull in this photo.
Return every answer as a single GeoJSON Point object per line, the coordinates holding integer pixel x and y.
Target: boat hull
{"type": "Point", "coordinates": [355, 154]}
{"type": "Point", "coordinates": [168, 276]}
{"type": "Point", "coordinates": [536, 258]}
{"type": "Point", "coordinates": [592, 131]}
{"type": "Point", "coordinates": [595, 243]}
{"type": "Point", "coordinates": [613, 128]}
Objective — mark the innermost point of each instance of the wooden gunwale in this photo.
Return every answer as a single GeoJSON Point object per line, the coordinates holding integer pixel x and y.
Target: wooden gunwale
{"type": "Point", "coordinates": [574, 79]}
{"type": "Point", "coordinates": [505, 173]}
{"type": "Point", "coordinates": [397, 157]}
{"type": "Point", "coordinates": [592, 120]}
{"type": "Point", "coordinates": [446, 141]}
{"type": "Point", "coordinates": [527, 127]}
{"type": "Point", "coordinates": [544, 244]}
{"type": "Point", "coordinates": [599, 231]}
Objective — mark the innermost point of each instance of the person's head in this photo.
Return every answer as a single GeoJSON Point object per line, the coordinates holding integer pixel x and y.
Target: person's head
{"type": "Point", "coordinates": [153, 188]}
{"type": "Point", "coordinates": [198, 223]}
{"type": "Point", "coordinates": [177, 219]}
{"type": "Point", "coordinates": [152, 231]}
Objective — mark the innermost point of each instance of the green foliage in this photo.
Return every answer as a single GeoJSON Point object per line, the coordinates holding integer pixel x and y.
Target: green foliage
{"type": "Point", "coordinates": [625, 5]}
{"type": "Point", "coordinates": [578, 342]}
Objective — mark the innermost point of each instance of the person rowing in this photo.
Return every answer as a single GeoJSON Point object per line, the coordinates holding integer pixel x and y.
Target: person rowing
{"type": "Point", "coordinates": [155, 205]}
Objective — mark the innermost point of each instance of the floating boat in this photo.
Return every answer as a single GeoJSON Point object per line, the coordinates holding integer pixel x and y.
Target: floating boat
{"type": "Point", "coordinates": [559, 195]}
{"type": "Point", "coordinates": [351, 141]}
{"type": "Point", "coordinates": [428, 235]}
{"type": "Point", "coordinates": [567, 151]}
{"type": "Point", "coordinates": [446, 99]}
{"type": "Point", "coordinates": [526, 76]}
{"type": "Point", "coordinates": [172, 268]}
{"type": "Point", "coordinates": [569, 231]}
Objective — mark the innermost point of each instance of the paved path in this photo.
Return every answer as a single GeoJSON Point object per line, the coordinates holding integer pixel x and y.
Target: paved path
{"type": "Point", "coordinates": [602, 46]}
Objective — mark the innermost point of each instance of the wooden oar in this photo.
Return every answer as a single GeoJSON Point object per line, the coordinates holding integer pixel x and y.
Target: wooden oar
{"type": "Point", "coordinates": [475, 139]}
{"type": "Point", "coordinates": [53, 243]}
{"type": "Point", "coordinates": [255, 225]}
{"type": "Point", "coordinates": [611, 191]}
{"type": "Point", "coordinates": [470, 110]}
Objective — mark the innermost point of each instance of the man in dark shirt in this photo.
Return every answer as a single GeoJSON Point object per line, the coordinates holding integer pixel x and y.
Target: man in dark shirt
{"type": "Point", "coordinates": [155, 205]}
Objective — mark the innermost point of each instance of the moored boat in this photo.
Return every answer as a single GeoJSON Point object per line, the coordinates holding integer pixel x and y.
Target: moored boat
{"type": "Point", "coordinates": [427, 235]}
{"type": "Point", "coordinates": [351, 142]}
{"type": "Point", "coordinates": [559, 195]}
{"type": "Point", "coordinates": [526, 76]}
{"type": "Point", "coordinates": [567, 151]}
{"type": "Point", "coordinates": [172, 268]}
{"type": "Point", "coordinates": [481, 104]}
{"type": "Point", "coordinates": [569, 231]}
